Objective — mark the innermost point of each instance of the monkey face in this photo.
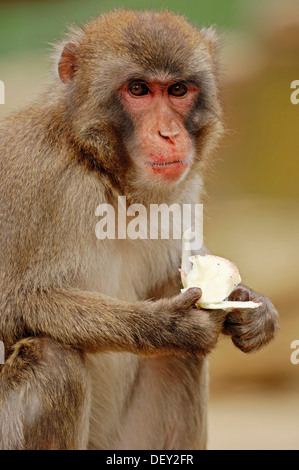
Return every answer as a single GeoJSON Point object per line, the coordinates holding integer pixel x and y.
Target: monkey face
{"type": "Point", "coordinates": [162, 148]}
{"type": "Point", "coordinates": [142, 96]}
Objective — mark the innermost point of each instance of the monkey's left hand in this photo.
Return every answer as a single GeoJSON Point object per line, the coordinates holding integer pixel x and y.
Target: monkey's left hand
{"type": "Point", "coordinates": [251, 329]}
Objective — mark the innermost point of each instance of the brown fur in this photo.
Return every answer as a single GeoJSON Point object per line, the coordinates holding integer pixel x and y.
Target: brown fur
{"type": "Point", "coordinates": [93, 360]}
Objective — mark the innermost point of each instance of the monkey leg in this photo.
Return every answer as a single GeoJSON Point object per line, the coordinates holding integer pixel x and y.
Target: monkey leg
{"type": "Point", "coordinates": [44, 397]}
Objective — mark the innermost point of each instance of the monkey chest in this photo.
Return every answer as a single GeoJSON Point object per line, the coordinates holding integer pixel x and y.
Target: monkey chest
{"type": "Point", "coordinates": [129, 269]}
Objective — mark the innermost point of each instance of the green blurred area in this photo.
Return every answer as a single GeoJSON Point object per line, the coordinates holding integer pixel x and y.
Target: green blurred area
{"type": "Point", "coordinates": [31, 25]}
{"type": "Point", "coordinates": [253, 190]}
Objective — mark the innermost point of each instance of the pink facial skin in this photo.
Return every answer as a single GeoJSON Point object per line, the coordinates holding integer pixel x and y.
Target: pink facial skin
{"type": "Point", "coordinates": [169, 170]}
{"type": "Point", "coordinates": [163, 146]}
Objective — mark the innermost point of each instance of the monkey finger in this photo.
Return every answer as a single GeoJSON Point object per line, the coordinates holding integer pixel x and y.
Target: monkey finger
{"type": "Point", "coordinates": [241, 294]}
{"type": "Point", "coordinates": [188, 299]}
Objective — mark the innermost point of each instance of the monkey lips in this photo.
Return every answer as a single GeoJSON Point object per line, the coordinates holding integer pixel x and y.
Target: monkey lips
{"type": "Point", "coordinates": [216, 277]}
{"type": "Point", "coordinates": [168, 168]}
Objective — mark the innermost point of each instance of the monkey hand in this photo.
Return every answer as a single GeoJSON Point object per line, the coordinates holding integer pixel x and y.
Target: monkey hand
{"type": "Point", "coordinates": [251, 329]}
{"type": "Point", "coordinates": [192, 331]}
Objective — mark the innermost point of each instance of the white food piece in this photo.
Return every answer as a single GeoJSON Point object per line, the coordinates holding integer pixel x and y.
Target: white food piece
{"type": "Point", "coordinates": [230, 304]}
{"type": "Point", "coordinates": [217, 277]}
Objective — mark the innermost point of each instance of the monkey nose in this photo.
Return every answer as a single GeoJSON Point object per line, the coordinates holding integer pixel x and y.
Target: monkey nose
{"type": "Point", "coordinates": [169, 134]}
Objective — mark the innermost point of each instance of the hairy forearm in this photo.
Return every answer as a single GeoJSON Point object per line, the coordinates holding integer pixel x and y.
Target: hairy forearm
{"type": "Point", "coordinates": [93, 322]}
{"type": "Point", "coordinates": [85, 320]}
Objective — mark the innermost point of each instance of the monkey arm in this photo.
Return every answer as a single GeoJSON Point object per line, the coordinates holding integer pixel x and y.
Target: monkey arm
{"type": "Point", "coordinates": [94, 323]}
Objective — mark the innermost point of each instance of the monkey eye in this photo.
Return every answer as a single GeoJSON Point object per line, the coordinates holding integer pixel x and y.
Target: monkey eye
{"type": "Point", "coordinates": [177, 89]}
{"type": "Point", "coordinates": [139, 89]}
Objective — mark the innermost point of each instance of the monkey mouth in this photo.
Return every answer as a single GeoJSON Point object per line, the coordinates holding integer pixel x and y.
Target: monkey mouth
{"type": "Point", "coordinates": [169, 170]}
{"type": "Point", "coordinates": [165, 164]}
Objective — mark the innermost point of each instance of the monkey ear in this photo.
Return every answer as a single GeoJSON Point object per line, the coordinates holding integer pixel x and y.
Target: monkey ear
{"type": "Point", "coordinates": [67, 65]}
{"type": "Point", "coordinates": [211, 37]}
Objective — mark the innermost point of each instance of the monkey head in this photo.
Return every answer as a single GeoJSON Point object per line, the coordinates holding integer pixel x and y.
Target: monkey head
{"type": "Point", "coordinates": [141, 96]}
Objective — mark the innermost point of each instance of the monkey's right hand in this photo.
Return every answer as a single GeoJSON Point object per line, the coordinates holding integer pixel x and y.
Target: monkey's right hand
{"type": "Point", "coordinates": [186, 329]}
{"type": "Point", "coordinates": [94, 323]}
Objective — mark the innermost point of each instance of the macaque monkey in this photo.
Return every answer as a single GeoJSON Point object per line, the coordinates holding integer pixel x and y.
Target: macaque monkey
{"type": "Point", "coordinates": [102, 349]}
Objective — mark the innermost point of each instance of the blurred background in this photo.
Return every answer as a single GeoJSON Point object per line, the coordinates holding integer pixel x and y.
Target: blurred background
{"type": "Point", "coordinates": [252, 208]}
